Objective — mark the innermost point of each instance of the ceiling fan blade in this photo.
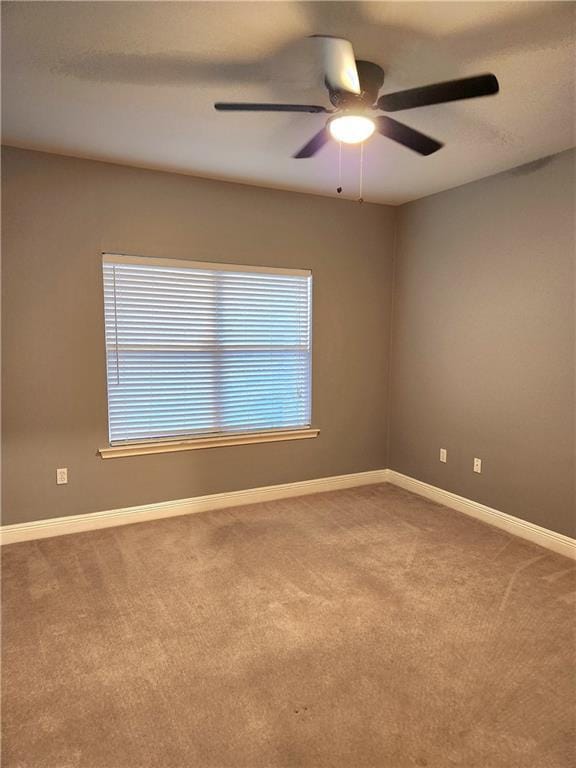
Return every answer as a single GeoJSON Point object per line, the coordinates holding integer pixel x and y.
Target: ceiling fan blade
{"type": "Point", "coordinates": [314, 145]}
{"type": "Point", "coordinates": [439, 93]}
{"type": "Point", "coordinates": [371, 78]}
{"type": "Point", "coordinates": [339, 64]}
{"type": "Point", "coordinates": [240, 107]}
{"type": "Point", "coordinates": [408, 137]}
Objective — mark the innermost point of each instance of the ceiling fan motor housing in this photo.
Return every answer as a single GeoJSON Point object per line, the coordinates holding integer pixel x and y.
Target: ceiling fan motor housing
{"type": "Point", "coordinates": [371, 78]}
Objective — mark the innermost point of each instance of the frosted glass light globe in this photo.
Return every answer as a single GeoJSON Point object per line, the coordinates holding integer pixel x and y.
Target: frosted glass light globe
{"type": "Point", "coordinates": [351, 129]}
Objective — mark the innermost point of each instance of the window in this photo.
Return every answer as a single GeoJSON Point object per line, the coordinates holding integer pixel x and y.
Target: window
{"type": "Point", "coordinates": [196, 349]}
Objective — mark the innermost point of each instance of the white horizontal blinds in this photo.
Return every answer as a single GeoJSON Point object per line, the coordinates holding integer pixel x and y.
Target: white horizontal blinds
{"type": "Point", "coordinates": [204, 349]}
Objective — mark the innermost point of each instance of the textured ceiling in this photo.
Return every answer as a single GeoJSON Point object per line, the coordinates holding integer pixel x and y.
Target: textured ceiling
{"type": "Point", "coordinates": [135, 83]}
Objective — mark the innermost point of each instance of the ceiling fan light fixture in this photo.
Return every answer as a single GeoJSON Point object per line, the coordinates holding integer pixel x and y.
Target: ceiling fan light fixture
{"type": "Point", "coordinates": [353, 85]}
{"type": "Point", "coordinates": [351, 129]}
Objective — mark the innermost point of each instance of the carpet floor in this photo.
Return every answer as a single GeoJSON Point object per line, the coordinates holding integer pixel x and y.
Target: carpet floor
{"type": "Point", "coordinates": [366, 628]}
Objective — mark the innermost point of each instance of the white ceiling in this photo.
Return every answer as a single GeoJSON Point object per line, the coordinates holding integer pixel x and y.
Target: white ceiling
{"type": "Point", "coordinates": [135, 82]}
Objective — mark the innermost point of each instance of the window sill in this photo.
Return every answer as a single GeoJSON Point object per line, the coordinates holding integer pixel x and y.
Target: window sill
{"type": "Point", "coordinates": [192, 444]}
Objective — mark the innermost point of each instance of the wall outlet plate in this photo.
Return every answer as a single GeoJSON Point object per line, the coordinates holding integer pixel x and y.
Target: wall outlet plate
{"type": "Point", "coordinates": [62, 476]}
{"type": "Point", "coordinates": [443, 455]}
{"type": "Point", "coordinates": [478, 465]}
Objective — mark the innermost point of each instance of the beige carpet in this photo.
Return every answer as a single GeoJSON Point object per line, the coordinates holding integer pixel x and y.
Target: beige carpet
{"type": "Point", "coordinates": [357, 629]}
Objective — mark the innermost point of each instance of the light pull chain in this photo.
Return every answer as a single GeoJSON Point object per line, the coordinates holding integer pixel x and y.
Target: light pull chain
{"type": "Point", "coordinates": [361, 184]}
{"type": "Point", "coordinates": [360, 198]}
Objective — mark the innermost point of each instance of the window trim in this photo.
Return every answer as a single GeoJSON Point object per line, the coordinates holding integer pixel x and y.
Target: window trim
{"type": "Point", "coordinates": [121, 258]}
{"type": "Point", "coordinates": [213, 441]}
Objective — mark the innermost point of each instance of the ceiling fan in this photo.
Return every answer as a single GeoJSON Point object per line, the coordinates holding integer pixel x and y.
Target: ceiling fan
{"type": "Point", "coordinates": [353, 87]}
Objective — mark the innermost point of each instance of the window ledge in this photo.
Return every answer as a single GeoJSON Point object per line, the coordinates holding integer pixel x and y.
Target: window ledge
{"type": "Point", "coordinates": [191, 444]}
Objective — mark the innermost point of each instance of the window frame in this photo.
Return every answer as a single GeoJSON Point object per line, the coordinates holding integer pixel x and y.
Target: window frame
{"type": "Point", "coordinates": [174, 443]}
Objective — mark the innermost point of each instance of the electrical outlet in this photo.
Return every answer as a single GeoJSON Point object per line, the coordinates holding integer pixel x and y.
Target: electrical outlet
{"type": "Point", "coordinates": [478, 465]}
{"type": "Point", "coordinates": [62, 476]}
{"type": "Point", "coordinates": [443, 455]}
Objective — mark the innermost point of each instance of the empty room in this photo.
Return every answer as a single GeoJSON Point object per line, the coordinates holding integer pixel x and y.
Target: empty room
{"type": "Point", "coordinates": [288, 384]}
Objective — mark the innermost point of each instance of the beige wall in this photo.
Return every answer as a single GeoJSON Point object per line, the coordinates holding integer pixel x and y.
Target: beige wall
{"type": "Point", "coordinates": [483, 342]}
{"type": "Point", "coordinates": [482, 345]}
{"type": "Point", "coordinates": [60, 214]}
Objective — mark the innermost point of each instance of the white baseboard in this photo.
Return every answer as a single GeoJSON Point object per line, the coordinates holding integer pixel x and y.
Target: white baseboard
{"type": "Point", "coordinates": [58, 526]}
{"type": "Point", "coordinates": [557, 542]}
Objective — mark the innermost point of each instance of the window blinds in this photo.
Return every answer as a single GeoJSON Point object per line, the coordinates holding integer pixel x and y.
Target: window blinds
{"type": "Point", "coordinates": [196, 348]}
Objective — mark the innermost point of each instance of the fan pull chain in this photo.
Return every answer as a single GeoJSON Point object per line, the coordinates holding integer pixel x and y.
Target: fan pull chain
{"type": "Point", "coordinates": [360, 198]}
{"type": "Point", "coordinates": [339, 187]}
